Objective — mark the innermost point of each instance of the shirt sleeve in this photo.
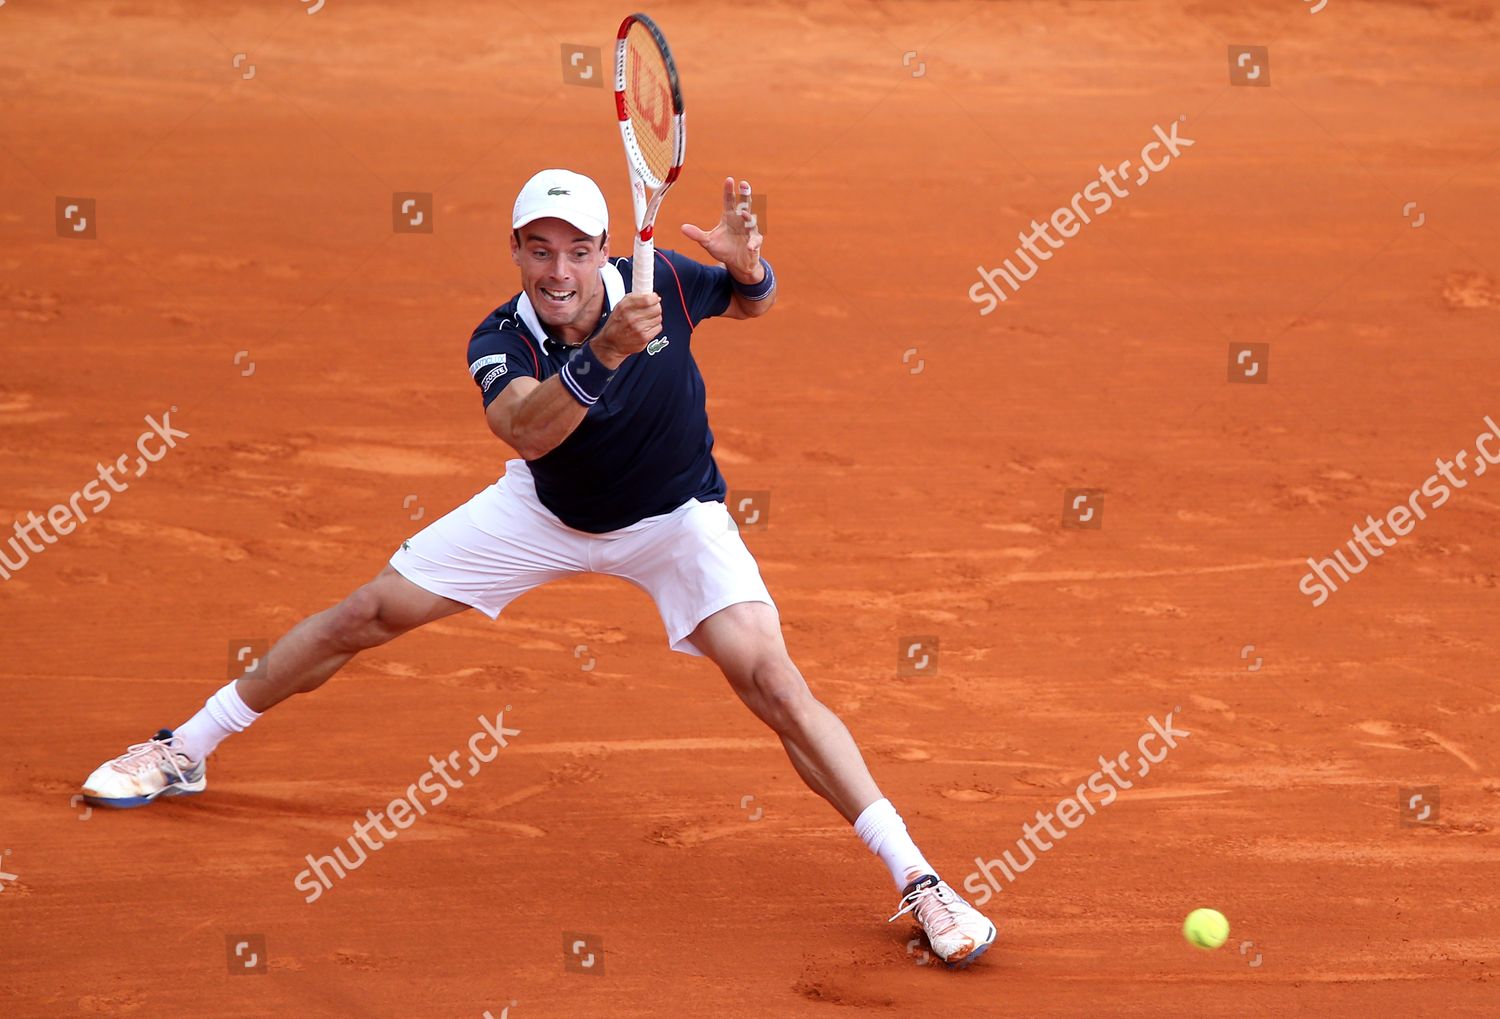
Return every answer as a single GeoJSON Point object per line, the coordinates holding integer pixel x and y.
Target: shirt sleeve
{"type": "Point", "coordinates": [496, 358]}
{"type": "Point", "coordinates": [705, 289]}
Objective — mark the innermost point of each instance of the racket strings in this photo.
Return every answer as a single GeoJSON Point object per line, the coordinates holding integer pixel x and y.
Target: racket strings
{"type": "Point", "coordinates": [648, 101]}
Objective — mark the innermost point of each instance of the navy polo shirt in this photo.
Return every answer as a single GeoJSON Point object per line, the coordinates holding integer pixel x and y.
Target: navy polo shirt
{"type": "Point", "coordinates": [645, 448]}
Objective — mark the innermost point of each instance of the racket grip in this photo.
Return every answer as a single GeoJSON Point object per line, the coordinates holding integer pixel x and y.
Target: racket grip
{"type": "Point", "coordinates": [642, 266]}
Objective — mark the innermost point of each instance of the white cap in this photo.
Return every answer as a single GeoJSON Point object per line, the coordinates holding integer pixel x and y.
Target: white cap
{"type": "Point", "coordinates": [565, 195]}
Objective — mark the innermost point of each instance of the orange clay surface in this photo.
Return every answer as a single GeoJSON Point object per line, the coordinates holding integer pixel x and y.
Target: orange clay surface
{"type": "Point", "coordinates": [911, 494]}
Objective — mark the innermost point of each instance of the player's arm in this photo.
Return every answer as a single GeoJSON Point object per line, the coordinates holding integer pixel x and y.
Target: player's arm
{"type": "Point", "coordinates": [741, 306]}
{"type": "Point", "coordinates": [533, 417]}
{"type": "Point", "coordinates": [736, 241]}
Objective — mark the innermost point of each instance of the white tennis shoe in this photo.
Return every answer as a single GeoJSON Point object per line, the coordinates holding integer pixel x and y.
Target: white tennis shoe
{"type": "Point", "coordinates": [957, 931]}
{"type": "Point", "coordinates": [145, 771]}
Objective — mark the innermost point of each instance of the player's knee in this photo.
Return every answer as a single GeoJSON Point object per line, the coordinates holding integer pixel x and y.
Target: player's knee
{"type": "Point", "coordinates": [356, 623]}
{"type": "Point", "coordinates": [782, 697]}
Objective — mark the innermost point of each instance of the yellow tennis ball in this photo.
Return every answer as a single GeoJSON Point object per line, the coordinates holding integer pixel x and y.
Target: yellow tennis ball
{"type": "Point", "coordinates": [1205, 928]}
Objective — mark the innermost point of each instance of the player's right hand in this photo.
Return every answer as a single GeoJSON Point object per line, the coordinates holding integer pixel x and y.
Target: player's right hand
{"type": "Point", "coordinates": [633, 323]}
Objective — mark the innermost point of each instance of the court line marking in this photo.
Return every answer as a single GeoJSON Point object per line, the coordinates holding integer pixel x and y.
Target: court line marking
{"type": "Point", "coordinates": [594, 746]}
{"type": "Point", "coordinates": [1189, 571]}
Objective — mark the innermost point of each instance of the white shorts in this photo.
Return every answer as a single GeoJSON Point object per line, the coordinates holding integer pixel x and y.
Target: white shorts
{"type": "Point", "coordinates": [504, 542]}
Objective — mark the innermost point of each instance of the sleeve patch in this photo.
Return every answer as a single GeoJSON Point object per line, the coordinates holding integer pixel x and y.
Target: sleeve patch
{"type": "Point", "coordinates": [495, 372]}
{"type": "Point", "coordinates": [483, 361]}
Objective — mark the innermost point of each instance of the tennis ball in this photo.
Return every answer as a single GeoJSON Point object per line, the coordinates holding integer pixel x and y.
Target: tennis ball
{"type": "Point", "coordinates": [1205, 928]}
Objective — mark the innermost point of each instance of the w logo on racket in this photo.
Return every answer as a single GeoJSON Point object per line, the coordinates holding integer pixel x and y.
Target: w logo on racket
{"type": "Point", "coordinates": [658, 114]}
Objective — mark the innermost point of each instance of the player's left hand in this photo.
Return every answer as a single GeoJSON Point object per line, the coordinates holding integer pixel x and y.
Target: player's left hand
{"type": "Point", "coordinates": [736, 240]}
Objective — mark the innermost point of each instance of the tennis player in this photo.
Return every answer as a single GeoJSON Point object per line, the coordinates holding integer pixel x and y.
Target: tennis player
{"type": "Point", "coordinates": [596, 389]}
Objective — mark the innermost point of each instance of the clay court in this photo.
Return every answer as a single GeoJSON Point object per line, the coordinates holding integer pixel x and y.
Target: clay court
{"type": "Point", "coordinates": [913, 460]}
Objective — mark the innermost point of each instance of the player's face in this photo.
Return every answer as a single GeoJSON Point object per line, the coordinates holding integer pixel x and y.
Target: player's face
{"type": "Point", "coordinates": [560, 272]}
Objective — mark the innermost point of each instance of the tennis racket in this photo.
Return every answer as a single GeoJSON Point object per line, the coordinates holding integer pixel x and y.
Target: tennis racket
{"type": "Point", "coordinates": [648, 99]}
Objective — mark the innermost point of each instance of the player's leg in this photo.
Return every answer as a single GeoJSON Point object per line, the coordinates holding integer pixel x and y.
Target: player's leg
{"type": "Point", "coordinates": [745, 642]}
{"type": "Point", "coordinates": [484, 554]}
{"type": "Point", "coordinates": [321, 644]}
{"type": "Point", "coordinates": [713, 601]}
{"type": "Point", "coordinates": [311, 652]}
{"type": "Point", "coordinates": [173, 762]}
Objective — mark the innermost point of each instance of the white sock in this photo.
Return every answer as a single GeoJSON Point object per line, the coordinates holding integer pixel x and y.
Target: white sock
{"type": "Point", "coordinates": [881, 828]}
{"type": "Point", "coordinates": [221, 715]}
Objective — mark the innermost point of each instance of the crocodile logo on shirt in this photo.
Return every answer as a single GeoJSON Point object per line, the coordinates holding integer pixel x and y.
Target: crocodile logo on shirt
{"type": "Point", "coordinates": [657, 345]}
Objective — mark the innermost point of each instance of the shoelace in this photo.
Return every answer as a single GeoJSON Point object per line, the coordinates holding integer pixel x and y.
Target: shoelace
{"type": "Point", "coordinates": [142, 757]}
{"type": "Point", "coordinates": [925, 902]}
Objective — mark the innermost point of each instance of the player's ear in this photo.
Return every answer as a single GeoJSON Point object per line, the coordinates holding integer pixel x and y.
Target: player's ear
{"type": "Point", "coordinates": [604, 247]}
{"type": "Point", "coordinates": [515, 246]}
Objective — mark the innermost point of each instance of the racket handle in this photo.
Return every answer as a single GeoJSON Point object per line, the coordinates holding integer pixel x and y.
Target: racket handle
{"type": "Point", "coordinates": [642, 266]}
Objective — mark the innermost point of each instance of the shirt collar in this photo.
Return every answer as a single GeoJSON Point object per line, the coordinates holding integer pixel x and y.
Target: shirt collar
{"type": "Point", "coordinates": [614, 289]}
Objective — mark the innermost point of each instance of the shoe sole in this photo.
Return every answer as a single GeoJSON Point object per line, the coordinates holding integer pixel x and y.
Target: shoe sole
{"type": "Point", "coordinates": [969, 959]}
{"type": "Point", "coordinates": [130, 802]}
